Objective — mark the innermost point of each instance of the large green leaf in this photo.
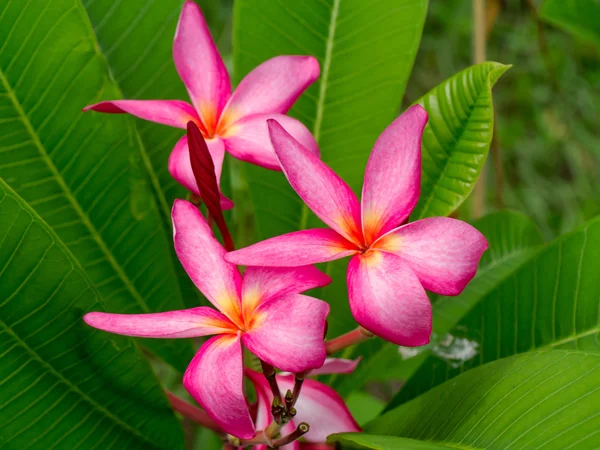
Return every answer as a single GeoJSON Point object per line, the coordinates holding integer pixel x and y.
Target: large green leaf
{"type": "Point", "coordinates": [550, 301]}
{"type": "Point", "coordinates": [548, 400]}
{"type": "Point", "coordinates": [366, 51]}
{"type": "Point", "coordinates": [136, 38]}
{"type": "Point", "coordinates": [62, 383]}
{"type": "Point", "coordinates": [513, 239]}
{"type": "Point", "coordinates": [457, 138]}
{"type": "Point", "coordinates": [579, 17]}
{"type": "Point", "coordinates": [361, 440]}
{"type": "Point", "coordinates": [82, 173]}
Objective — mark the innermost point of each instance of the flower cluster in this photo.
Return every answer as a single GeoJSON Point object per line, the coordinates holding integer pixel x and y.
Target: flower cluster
{"type": "Point", "coordinates": [392, 261]}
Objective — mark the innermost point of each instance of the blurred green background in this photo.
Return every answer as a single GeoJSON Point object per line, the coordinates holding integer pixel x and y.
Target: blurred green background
{"type": "Point", "coordinates": [545, 158]}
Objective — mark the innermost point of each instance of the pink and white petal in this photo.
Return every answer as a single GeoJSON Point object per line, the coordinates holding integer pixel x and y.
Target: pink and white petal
{"type": "Point", "coordinates": [387, 298]}
{"type": "Point", "coordinates": [287, 332]}
{"type": "Point", "coordinates": [321, 407]}
{"type": "Point", "coordinates": [180, 166]}
{"type": "Point", "coordinates": [248, 139]}
{"type": "Point", "coordinates": [329, 197]}
{"type": "Point", "coordinates": [393, 174]}
{"type": "Point", "coordinates": [273, 86]}
{"type": "Point", "coordinates": [202, 258]}
{"type": "Point", "coordinates": [299, 248]}
{"type": "Point", "coordinates": [261, 284]}
{"type": "Point", "coordinates": [336, 365]}
{"type": "Point", "coordinates": [442, 252]}
{"type": "Point", "coordinates": [215, 379]}
{"type": "Point", "coordinates": [200, 66]}
{"type": "Point", "coordinates": [173, 113]}
{"type": "Point", "coordinates": [200, 321]}
{"type": "Point", "coordinates": [263, 398]}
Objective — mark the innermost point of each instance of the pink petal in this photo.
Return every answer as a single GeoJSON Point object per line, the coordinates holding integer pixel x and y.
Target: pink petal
{"type": "Point", "coordinates": [330, 198]}
{"type": "Point", "coordinates": [287, 332]}
{"type": "Point", "coordinates": [273, 86]}
{"type": "Point", "coordinates": [321, 407]}
{"type": "Point", "coordinates": [248, 139]}
{"type": "Point", "coordinates": [387, 298]}
{"type": "Point", "coordinates": [202, 258]}
{"type": "Point", "coordinates": [262, 284]}
{"type": "Point", "coordinates": [187, 323]}
{"type": "Point", "coordinates": [299, 248]}
{"type": "Point", "coordinates": [393, 175]}
{"type": "Point", "coordinates": [442, 252]}
{"type": "Point", "coordinates": [200, 66]}
{"type": "Point", "coordinates": [336, 365]}
{"type": "Point", "coordinates": [215, 379]}
{"type": "Point", "coordinates": [180, 166]}
{"type": "Point", "coordinates": [173, 113]}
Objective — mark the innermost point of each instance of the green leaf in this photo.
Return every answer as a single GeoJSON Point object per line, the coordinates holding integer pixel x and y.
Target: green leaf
{"type": "Point", "coordinates": [579, 17]}
{"type": "Point", "coordinates": [366, 51]}
{"type": "Point", "coordinates": [550, 301]}
{"type": "Point", "coordinates": [548, 400]}
{"type": "Point", "coordinates": [136, 38]}
{"type": "Point", "coordinates": [361, 440]}
{"type": "Point", "coordinates": [81, 172]}
{"type": "Point", "coordinates": [513, 239]}
{"type": "Point", "coordinates": [64, 384]}
{"type": "Point", "coordinates": [457, 138]}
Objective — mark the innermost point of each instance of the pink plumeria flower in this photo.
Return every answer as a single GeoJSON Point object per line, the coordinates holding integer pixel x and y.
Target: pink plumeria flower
{"type": "Point", "coordinates": [233, 122]}
{"type": "Point", "coordinates": [318, 404]}
{"type": "Point", "coordinates": [262, 310]}
{"type": "Point", "coordinates": [391, 263]}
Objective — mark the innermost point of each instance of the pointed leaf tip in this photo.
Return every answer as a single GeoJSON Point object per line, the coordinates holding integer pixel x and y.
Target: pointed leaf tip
{"type": "Point", "coordinates": [204, 172]}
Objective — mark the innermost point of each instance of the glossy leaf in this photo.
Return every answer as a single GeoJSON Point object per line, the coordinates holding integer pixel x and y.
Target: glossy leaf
{"type": "Point", "coordinates": [540, 400]}
{"type": "Point", "coordinates": [366, 52]}
{"type": "Point", "coordinates": [550, 301]}
{"type": "Point", "coordinates": [579, 17]}
{"type": "Point", "coordinates": [136, 38]}
{"type": "Point", "coordinates": [513, 239]}
{"type": "Point", "coordinates": [82, 173]}
{"type": "Point", "coordinates": [457, 138]}
{"type": "Point", "coordinates": [361, 440]}
{"type": "Point", "coordinates": [64, 384]}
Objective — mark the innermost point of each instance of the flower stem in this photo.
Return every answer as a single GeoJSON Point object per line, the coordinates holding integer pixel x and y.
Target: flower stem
{"type": "Point", "coordinates": [269, 373]}
{"type": "Point", "coordinates": [301, 430]}
{"type": "Point", "coordinates": [346, 340]}
{"type": "Point", "coordinates": [193, 413]}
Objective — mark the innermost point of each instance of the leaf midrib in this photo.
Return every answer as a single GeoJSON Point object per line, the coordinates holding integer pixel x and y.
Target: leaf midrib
{"type": "Point", "coordinates": [67, 192]}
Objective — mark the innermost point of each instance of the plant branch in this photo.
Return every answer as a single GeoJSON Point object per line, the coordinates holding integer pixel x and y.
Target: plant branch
{"type": "Point", "coordinates": [346, 340]}
{"type": "Point", "coordinates": [479, 55]}
{"type": "Point", "coordinates": [193, 413]}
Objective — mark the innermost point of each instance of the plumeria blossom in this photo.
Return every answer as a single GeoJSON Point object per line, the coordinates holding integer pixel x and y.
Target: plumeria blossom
{"type": "Point", "coordinates": [229, 122]}
{"type": "Point", "coordinates": [392, 264]}
{"type": "Point", "coordinates": [262, 310]}
{"type": "Point", "coordinates": [318, 404]}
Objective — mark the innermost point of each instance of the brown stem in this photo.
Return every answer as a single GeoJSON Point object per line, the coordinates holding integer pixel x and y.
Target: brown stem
{"type": "Point", "coordinates": [298, 380]}
{"type": "Point", "coordinates": [269, 373]}
{"type": "Point", "coordinates": [478, 195]}
{"type": "Point", "coordinates": [346, 340]}
{"type": "Point", "coordinates": [193, 413]}
{"type": "Point", "coordinates": [301, 430]}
